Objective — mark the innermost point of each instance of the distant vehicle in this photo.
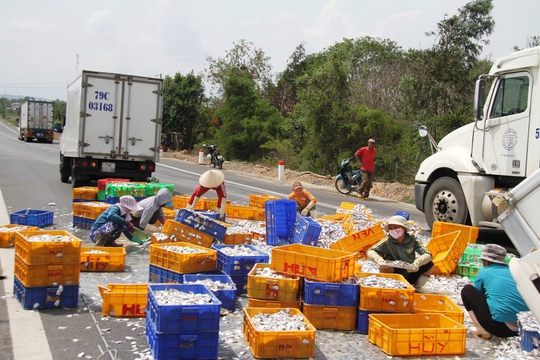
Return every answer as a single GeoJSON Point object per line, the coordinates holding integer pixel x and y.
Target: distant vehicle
{"type": "Point", "coordinates": [348, 179]}
{"type": "Point", "coordinates": [214, 154]}
{"type": "Point", "coordinates": [498, 150]}
{"type": "Point", "coordinates": [36, 121]}
{"type": "Point", "coordinates": [113, 128]}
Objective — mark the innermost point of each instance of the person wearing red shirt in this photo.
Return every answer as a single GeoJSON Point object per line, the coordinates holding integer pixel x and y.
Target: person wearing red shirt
{"type": "Point", "coordinates": [212, 179]}
{"type": "Point", "coordinates": [366, 158]}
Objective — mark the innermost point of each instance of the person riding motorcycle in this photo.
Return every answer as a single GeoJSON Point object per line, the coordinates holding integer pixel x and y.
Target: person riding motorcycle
{"type": "Point", "coordinates": [305, 202]}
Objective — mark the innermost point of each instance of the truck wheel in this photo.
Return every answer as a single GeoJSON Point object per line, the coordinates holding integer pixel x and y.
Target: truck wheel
{"type": "Point", "coordinates": [65, 169]}
{"type": "Point", "coordinates": [341, 187]}
{"type": "Point", "coordinates": [445, 202]}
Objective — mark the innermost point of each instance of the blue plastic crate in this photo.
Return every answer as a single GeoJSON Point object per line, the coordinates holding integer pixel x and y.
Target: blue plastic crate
{"type": "Point", "coordinates": [331, 293]}
{"type": "Point", "coordinates": [44, 297]}
{"type": "Point", "coordinates": [238, 265]}
{"type": "Point", "coordinates": [226, 296]}
{"type": "Point", "coordinates": [363, 320]}
{"type": "Point", "coordinates": [173, 346]}
{"type": "Point", "coordinates": [404, 214]}
{"type": "Point", "coordinates": [183, 318]}
{"type": "Point", "coordinates": [32, 217]}
{"type": "Point", "coordinates": [209, 213]}
{"type": "Point", "coordinates": [280, 216]}
{"type": "Point", "coordinates": [306, 231]}
{"type": "Point", "coordinates": [157, 274]}
{"type": "Point", "coordinates": [82, 223]}
{"type": "Point", "coordinates": [202, 223]}
{"type": "Point", "coordinates": [116, 199]}
{"type": "Point", "coordinates": [529, 340]}
{"type": "Point", "coordinates": [241, 284]}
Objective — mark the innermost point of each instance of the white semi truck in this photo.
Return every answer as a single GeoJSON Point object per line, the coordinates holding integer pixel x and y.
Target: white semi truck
{"type": "Point", "coordinates": [113, 127]}
{"type": "Point", "coordinates": [36, 121]}
{"type": "Point", "coordinates": [496, 152]}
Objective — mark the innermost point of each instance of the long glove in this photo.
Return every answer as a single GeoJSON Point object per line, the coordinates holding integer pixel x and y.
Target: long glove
{"type": "Point", "coordinates": [308, 207]}
{"type": "Point", "coordinates": [192, 206]}
{"type": "Point", "coordinates": [130, 227]}
{"type": "Point", "coordinates": [422, 259]}
{"type": "Point", "coordinates": [373, 256]}
{"type": "Point", "coordinates": [221, 208]}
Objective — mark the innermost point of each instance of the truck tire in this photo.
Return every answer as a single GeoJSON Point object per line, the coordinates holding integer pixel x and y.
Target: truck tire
{"type": "Point", "coordinates": [445, 202]}
{"type": "Point", "coordinates": [65, 169]}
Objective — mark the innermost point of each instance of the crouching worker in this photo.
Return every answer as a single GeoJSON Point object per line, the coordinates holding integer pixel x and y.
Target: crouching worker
{"type": "Point", "coordinates": [399, 245]}
{"type": "Point", "coordinates": [212, 179]}
{"type": "Point", "coordinates": [305, 202]}
{"type": "Point", "coordinates": [114, 221]}
{"type": "Point", "coordinates": [152, 210]}
{"type": "Point", "coordinates": [493, 301]}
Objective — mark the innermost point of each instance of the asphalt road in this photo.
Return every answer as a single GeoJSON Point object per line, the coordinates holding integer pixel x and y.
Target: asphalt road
{"type": "Point", "coordinates": [30, 180]}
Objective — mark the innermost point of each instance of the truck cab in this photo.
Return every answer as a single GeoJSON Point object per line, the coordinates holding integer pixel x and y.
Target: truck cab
{"type": "Point", "coordinates": [485, 158]}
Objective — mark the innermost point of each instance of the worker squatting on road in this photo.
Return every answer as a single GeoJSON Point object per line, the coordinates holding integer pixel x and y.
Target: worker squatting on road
{"type": "Point", "coordinates": [212, 179]}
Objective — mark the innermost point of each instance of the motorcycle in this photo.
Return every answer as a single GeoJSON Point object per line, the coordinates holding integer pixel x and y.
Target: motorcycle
{"type": "Point", "coordinates": [214, 155]}
{"type": "Point", "coordinates": [348, 179]}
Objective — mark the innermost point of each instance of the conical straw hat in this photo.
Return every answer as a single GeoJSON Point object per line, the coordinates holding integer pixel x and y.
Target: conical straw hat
{"type": "Point", "coordinates": [211, 178]}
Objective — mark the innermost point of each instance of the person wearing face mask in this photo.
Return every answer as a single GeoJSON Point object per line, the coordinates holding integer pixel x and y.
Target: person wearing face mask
{"type": "Point", "coordinates": [399, 245]}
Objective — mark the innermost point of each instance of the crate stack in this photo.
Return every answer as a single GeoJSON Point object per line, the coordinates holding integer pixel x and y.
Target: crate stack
{"type": "Point", "coordinates": [470, 262]}
{"type": "Point", "coordinates": [170, 261]}
{"type": "Point", "coordinates": [113, 191]}
{"type": "Point", "coordinates": [237, 261]}
{"type": "Point", "coordinates": [86, 213]}
{"type": "Point", "coordinates": [269, 288]}
{"type": "Point", "coordinates": [220, 284]}
{"type": "Point", "coordinates": [46, 269]}
{"type": "Point", "coordinates": [280, 218]}
{"type": "Point", "coordinates": [85, 193]}
{"type": "Point", "coordinates": [102, 186]}
{"type": "Point", "coordinates": [176, 329]}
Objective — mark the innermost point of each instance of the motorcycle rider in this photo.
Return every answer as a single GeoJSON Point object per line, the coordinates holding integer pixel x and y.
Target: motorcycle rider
{"type": "Point", "coordinates": [366, 158]}
{"type": "Point", "coordinates": [305, 202]}
{"type": "Point", "coordinates": [212, 179]}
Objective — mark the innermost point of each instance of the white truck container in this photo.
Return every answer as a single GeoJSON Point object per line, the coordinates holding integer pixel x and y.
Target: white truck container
{"type": "Point", "coordinates": [496, 152]}
{"type": "Point", "coordinates": [113, 128]}
{"type": "Point", "coordinates": [36, 121]}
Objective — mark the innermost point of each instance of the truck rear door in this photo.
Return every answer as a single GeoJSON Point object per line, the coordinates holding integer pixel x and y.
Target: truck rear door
{"type": "Point", "coordinates": [121, 116]}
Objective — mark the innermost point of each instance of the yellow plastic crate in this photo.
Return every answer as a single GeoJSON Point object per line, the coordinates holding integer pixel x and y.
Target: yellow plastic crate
{"type": "Point", "coordinates": [345, 205]}
{"type": "Point", "coordinates": [244, 212]}
{"type": "Point", "coordinates": [169, 213]}
{"type": "Point", "coordinates": [237, 239]}
{"type": "Point", "coordinates": [181, 201]}
{"type": "Point", "coordinates": [438, 304]}
{"type": "Point", "coordinates": [469, 233]}
{"type": "Point", "coordinates": [211, 204]}
{"type": "Point", "coordinates": [112, 259]}
{"type": "Point", "coordinates": [331, 317]}
{"type": "Point", "coordinates": [187, 234]}
{"type": "Point", "coordinates": [313, 262]}
{"type": "Point", "coordinates": [124, 300]}
{"type": "Point", "coordinates": [345, 219]}
{"type": "Point", "coordinates": [89, 209]}
{"type": "Point", "coordinates": [360, 241]}
{"type": "Point", "coordinates": [278, 344]}
{"type": "Point", "coordinates": [47, 252]}
{"type": "Point", "coordinates": [85, 193]}
{"type": "Point", "coordinates": [7, 233]}
{"type": "Point", "coordinates": [183, 263]}
{"type": "Point", "coordinates": [273, 303]}
{"type": "Point", "coordinates": [417, 334]}
{"type": "Point", "coordinates": [266, 288]}
{"type": "Point", "coordinates": [46, 274]}
{"type": "Point", "coordinates": [446, 250]}
{"type": "Point", "coordinates": [386, 299]}
{"type": "Point", "coordinates": [260, 200]}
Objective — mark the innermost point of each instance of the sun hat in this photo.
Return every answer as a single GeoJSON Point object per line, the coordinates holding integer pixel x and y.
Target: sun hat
{"type": "Point", "coordinates": [130, 203]}
{"type": "Point", "coordinates": [296, 185]}
{"type": "Point", "coordinates": [211, 179]}
{"type": "Point", "coordinates": [494, 253]}
{"type": "Point", "coordinates": [396, 220]}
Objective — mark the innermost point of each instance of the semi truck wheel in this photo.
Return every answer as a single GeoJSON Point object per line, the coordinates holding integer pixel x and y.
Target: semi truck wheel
{"type": "Point", "coordinates": [445, 202]}
{"type": "Point", "coordinates": [65, 169]}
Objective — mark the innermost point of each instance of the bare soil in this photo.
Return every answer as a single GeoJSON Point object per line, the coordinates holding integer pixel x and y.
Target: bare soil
{"type": "Point", "coordinates": [393, 191]}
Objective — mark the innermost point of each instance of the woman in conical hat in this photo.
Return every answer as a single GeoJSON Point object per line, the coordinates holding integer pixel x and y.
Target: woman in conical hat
{"type": "Point", "coordinates": [212, 179]}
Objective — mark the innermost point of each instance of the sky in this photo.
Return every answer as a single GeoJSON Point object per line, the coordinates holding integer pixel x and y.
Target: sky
{"type": "Point", "coordinates": [45, 44]}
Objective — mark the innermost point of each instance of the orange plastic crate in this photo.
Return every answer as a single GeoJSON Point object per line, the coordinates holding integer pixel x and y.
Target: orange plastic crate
{"type": "Point", "coordinates": [183, 263]}
{"type": "Point", "coordinates": [112, 259]}
{"type": "Point", "coordinates": [268, 288]}
{"type": "Point", "coordinates": [331, 317]}
{"type": "Point", "coordinates": [181, 201]}
{"type": "Point", "coordinates": [244, 212]}
{"type": "Point", "coordinates": [345, 219]}
{"type": "Point", "coordinates": [417, 334]}
{"type": "Point", "coordinates": [237, 239]}
{"type": "Point", "coordinates": [47, 252]}
{"type": "Point", "coordinates": [438, 304]}
{"type": "Point", "coordinates": [273, 303]}
{"type": "Point", "coordinates": [85, 193]}
{"type": "Point", "coordinates": [386, 299]}
{"type": "Point", "coordinates": [124, 300]}
{"type": "Point", "coordinates": [278, 344]}
{"type": "Point", "coordinates": [469, 233]}
{"type": "Point", "coordinates": [360, 241]}
{"type": "Point", "coordinates": [446, 251]}
{"type": "Point", "coordinates": [7, 233]}
{"type": "Point", "coordinates": [89, 209]}
{"type": "Point", "coordinates": [259, 200]}
{"type": "Point", "coordinates": [187, 234]}
{"type": "Point", "coordinates": [313, 262]}
{"type": "Point", "coordinates": [46, 274]}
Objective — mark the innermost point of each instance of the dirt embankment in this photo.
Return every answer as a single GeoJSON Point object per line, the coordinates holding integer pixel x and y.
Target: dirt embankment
{"type": "Point", "coordinates": [394, 191]}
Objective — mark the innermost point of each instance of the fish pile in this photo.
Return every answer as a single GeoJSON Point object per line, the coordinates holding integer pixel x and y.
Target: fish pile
{"type": "Point", "coordinates": [239, 250]}
{"type": "Point", "coordinates": [213, 285]}
{"type": "Point", "coordinates": [183, 249]}
{"type": "Point", "coordinates": [268, 272]}
{"type": "Point", "coordinates": [177, 297]}
{"type": "Point", "coordinates": [49, 238]}
{"type": "Point", "coordinates": [5, 229]}
{"type": "Point", "coordinates": [95, 251]}
{"type": "Point", "coordinates": [381, 282]}
{"type": "Point", "coordinates": [279, 321]}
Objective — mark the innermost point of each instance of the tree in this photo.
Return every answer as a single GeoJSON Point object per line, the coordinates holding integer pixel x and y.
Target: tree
{"type": "Point", "coordinates": [182, 97]}
{"type": "Point", "coordinates": [531, 42]}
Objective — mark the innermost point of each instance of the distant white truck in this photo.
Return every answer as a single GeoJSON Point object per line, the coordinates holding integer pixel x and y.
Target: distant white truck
{"type": "Point", "coordinates": [113, 128]}
{"type": "Point", "coordinates": [487, 157]}
{"type": "Point", "coordinates": [36, 121]}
